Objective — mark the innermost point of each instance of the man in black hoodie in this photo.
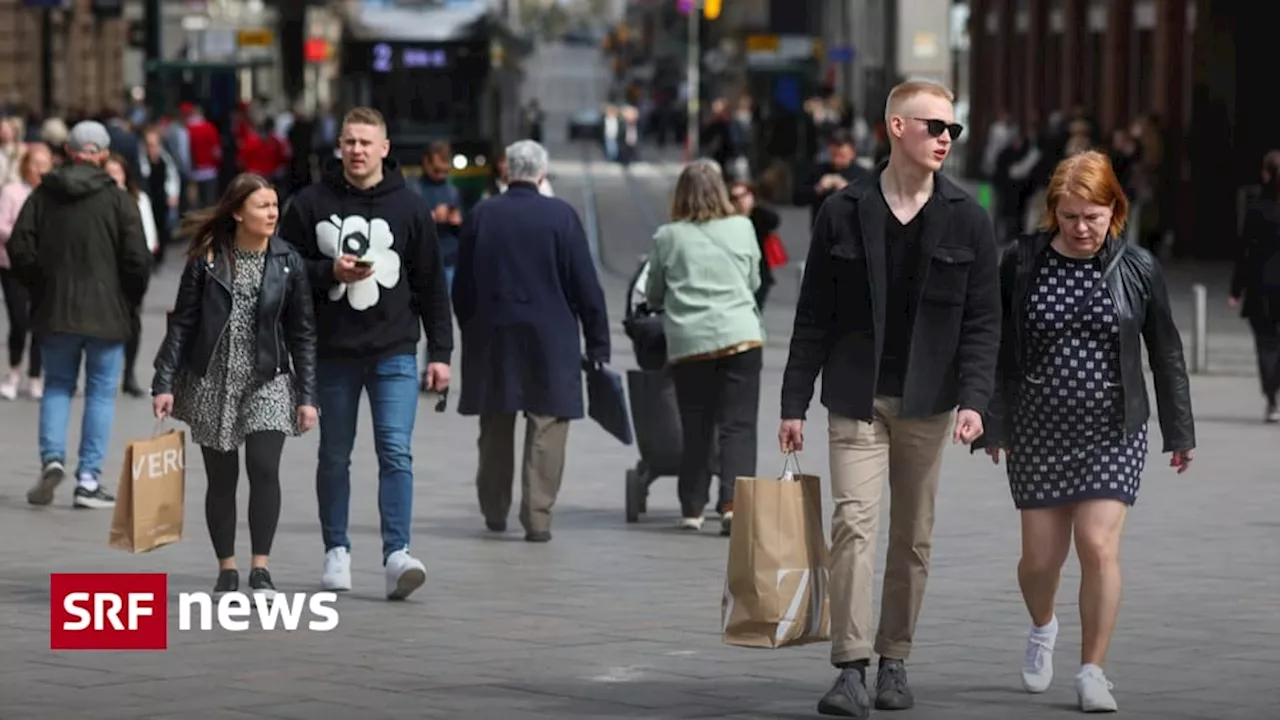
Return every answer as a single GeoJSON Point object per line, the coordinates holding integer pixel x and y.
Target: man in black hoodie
{"type": "Point", "coordinates": [78, 247]}
{"type": "Point", "coordinates": [374, 263]}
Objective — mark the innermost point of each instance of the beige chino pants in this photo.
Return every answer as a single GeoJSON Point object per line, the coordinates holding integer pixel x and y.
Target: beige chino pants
{"type": "Point", "coordinates": [907, 453]}
{"type": "Point", "coordinates": [543, 467]}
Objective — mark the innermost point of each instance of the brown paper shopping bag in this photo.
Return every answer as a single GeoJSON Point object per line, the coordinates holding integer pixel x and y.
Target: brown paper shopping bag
{"type": "Point", "coordinates": [775, 592]}
{"type": "Point", "coordinates": [152, 494]}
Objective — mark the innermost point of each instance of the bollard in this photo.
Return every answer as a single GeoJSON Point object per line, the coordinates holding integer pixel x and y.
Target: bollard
{"type": "Point", "coordinates": [1200, 329]}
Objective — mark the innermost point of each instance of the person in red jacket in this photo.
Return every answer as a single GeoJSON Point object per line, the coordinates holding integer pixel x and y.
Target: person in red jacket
{"type": "Point", "coordinates": [206, 154]}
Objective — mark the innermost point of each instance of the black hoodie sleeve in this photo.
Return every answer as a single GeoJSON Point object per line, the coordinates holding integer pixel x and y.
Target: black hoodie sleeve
{"type": "Point", "coordinates": [431, 293]}
{"type": "Point", "coordinates": [298, 227]}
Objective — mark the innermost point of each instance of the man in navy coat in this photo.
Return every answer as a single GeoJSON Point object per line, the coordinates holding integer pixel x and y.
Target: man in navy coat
{"type": "Point", "coordinates": [524, 283]}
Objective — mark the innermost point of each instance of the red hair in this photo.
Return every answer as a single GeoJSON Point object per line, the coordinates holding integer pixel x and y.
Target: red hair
{"type": "Point", "coordinates": [1089, 176]}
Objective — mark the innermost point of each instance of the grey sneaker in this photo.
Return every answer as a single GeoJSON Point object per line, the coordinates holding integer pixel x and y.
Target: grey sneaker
{"type": "Point", "coordinates": [51, 476]}
{"type": "Point", "coordinates": [848, 697]}
{"type": "Point", "coordinates": [892, 690]}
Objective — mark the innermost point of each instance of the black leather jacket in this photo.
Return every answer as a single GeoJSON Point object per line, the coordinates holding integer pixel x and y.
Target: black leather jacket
{"type": "Point", "coordinates": [1137, 289]}
{"type": "Point", "coordinates": [286, 321]}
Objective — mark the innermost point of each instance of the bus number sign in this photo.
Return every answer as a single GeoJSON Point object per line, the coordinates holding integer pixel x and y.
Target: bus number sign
{"type": "Point", "coordinates": [410, 58]}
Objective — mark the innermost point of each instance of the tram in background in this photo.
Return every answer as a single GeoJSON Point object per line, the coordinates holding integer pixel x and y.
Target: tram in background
{"type": "Point", "coordinates": [436, 72]}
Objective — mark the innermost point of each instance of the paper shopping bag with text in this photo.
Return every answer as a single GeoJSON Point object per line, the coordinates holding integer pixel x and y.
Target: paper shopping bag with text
{"type": "Point", "coordinates": [775, 592]}
{"type": "Point", "coordinates": [152, 495]}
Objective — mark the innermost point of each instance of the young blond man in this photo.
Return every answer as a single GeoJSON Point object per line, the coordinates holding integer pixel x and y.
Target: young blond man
{"type": "Point", "coordinates": [899, 310]}
{"type": "Point", "coordinates": [374, 264]}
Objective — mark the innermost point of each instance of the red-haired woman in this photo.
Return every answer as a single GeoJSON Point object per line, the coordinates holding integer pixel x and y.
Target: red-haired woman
{"type": "Point", "coordinates": [1071, 405]}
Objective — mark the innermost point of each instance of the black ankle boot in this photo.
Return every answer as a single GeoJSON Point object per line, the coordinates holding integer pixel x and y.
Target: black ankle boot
{"type": "Point", "coordinates": [228, 581]}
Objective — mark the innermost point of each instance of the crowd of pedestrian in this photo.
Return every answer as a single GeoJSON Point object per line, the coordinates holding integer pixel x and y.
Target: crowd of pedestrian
{"type": "Point", "coordinates": [923, 332]}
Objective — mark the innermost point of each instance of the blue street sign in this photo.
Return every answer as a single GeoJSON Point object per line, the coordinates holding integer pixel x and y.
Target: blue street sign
{"type": "Point", "coordinates": [840, 53]}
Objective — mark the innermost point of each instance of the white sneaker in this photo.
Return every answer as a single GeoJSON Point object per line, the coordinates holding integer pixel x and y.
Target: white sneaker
{"type": "Point", "coordinates": [405, 574]}
{"type": "Point", "coordinates": [9, 388]}
{"type": "Point", "coordinates": [35, 388]}
{"type": "Point", "coordinates": [691, 523]}
{"type": "Point", "coordinates": [1094, 690]}
{"type": "Point", "coordinates": [1037, 663]}
{"type": "Point", "coordinates": [337, 570]}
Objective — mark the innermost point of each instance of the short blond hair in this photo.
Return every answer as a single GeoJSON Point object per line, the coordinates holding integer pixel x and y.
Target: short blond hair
{"type": "Point", "coordinates": [911, 88]}
{"type": "Point", "coordinates": [364, 116]}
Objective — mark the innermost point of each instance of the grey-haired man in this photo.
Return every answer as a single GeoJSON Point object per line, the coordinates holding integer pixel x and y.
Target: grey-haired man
{"type": "Point", "coordinates": [78, 246]}
{"type": "Point", "coordinates": [526, 295]}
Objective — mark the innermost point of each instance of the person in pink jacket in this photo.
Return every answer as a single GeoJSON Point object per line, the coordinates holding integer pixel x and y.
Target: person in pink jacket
{"type": "Point", "coordinates": [35, 162]}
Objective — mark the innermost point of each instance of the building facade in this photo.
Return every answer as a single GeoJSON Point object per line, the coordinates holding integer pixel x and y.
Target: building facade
{"type": "Point", "coordinates": [73, 59]}
{"type": "Point", "coordinates": [1202, 67]}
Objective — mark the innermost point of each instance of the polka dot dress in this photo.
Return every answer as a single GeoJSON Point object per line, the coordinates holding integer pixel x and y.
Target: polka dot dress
{"type": "Point", "coordinates": [229, 403]}
{"type": "Point", "coordinates": [1068, 430]}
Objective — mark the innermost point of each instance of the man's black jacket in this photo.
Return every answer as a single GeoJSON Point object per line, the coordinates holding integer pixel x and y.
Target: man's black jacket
{"type": "Point", "coordinates": [1138, 292]}
{"type": "Point", "coordinates": [78, 246]}
{"type": "Point", "coordinates": [840, 316]}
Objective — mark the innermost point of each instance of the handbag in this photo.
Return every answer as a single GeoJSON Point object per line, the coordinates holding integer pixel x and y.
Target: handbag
{"type": "Point", "coordinates": [775, 253]}
{"type": "Point", "coordinates": [1031, 375]}
{"type": "Point", "coordinates": [643, 326]}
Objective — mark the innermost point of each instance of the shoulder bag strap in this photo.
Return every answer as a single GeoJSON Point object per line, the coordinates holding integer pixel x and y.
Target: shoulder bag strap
{"type": "Point", "coordinates": [720, 246]}
{"type": "Point", "coordinates": [1075, 313]}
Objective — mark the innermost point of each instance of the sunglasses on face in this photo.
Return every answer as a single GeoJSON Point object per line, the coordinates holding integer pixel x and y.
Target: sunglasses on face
{"type": "Point", "coordinates": [935, 127]}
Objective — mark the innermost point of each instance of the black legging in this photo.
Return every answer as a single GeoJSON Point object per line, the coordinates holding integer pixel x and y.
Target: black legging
{"type": "Point", "coordinates": [1266, 338]}
{"type": "Point", "coordinates": [131, 345]}
{"type": "Point", "coordinates": [18, 303]}
{"type": "Point", "coordinates": [262, 463]}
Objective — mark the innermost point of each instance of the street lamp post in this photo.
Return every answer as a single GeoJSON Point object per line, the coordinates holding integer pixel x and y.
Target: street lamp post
{"type": "Point", "coordinates": [693, 80]}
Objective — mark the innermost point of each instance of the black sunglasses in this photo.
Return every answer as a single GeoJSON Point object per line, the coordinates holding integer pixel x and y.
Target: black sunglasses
{"type": "Point", "coordinates": [936, 127]}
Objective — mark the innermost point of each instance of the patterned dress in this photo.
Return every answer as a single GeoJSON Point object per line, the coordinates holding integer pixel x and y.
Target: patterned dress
{"type": "Point", "coordinates": [1068, 437]}
{"type": "Point", "coordinates": [229, 403]}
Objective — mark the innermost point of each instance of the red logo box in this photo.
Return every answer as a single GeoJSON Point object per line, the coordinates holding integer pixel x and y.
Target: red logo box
{"type": "Point", "coordinates": [108, 611]}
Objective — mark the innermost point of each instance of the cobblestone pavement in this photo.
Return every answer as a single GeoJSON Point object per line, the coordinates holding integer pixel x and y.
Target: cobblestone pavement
{"type": "Point", "coordinates": [616, 620]}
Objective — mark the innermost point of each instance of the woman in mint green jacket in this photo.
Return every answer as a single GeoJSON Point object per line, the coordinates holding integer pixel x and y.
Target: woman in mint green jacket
{"type": "Point", "coordinates": [703, 274]}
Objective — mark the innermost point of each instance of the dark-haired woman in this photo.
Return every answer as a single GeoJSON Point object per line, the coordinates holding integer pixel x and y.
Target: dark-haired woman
{"type": "Point", "coordinates": [238, 363]}
{"type": "Point", "coordinates": [1255, 284]}
{"type": "Point", "coordinates": [765, 222]}
{"type": "Point", "coordinates": [118, 168]}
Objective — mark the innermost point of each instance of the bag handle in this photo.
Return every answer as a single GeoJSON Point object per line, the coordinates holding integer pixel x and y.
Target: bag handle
{"type": "Point", "coordinates": [791, 458]}
{"type": "Point", "coordinates": [1075, 313]}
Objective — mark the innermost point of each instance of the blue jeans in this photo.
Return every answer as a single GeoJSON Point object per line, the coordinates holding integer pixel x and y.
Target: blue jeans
{"type": "Point", "coordinates": [103, 363]}
{"type": "Point", "coordinates": [392, 384]}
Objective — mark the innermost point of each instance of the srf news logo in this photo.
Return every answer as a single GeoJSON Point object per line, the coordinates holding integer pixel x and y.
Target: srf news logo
{"type": "Point", "coordinates": [130, 611]}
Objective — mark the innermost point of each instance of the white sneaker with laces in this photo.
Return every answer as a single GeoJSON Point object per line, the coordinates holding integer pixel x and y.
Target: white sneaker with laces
{"type": "Point", "coordinates": [1094, 690]}
{"type": "Point", "coordinates": [337, 570]}
{"type": "Point", "coordinates": [1037, 663]}
{"type": "Point", "coordinates": [405, 574]}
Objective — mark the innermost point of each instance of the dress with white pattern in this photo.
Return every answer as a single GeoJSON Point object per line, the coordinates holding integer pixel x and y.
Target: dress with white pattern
{"type": "Point", "coordinates": [229, 402]}
{"type": "Point", "coordinates": [1068, 434]}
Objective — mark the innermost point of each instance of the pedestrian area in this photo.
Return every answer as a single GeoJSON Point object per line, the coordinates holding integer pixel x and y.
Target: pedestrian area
{"type": "Point", "coordinates": [617, 620]}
